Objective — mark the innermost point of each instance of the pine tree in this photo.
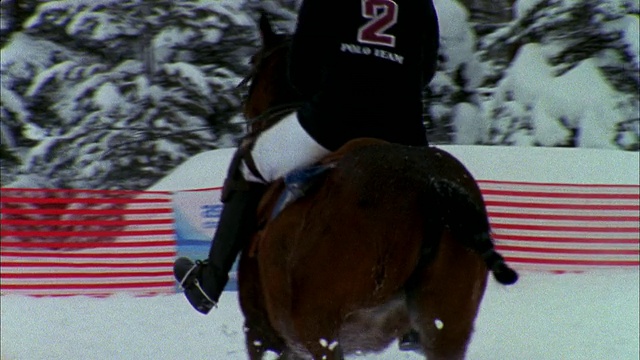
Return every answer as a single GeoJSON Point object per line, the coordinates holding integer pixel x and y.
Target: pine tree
{"type": "Point", "coordinates": [452, 102]}
{"type": "Point", "coordinates": [572, 33]}
{"type": "Point", "coordinates": [120, 92]}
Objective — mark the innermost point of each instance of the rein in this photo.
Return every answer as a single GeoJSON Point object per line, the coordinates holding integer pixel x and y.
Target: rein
{"type": "Point", "coordinates": [262, 122]}
{"type": "Point", "coordinates": [269, 118]}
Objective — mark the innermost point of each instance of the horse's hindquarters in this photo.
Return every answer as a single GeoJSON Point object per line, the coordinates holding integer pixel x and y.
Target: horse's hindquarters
{"type": "Point", "coordinates": [335, 265]}
{"type": "Point", "coordinates": [445, 303]}
{"type": "Point", "coordinates": [335, 262]}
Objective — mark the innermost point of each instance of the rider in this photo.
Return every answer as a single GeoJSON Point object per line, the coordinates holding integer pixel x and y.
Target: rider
{"type": "Point", "coordinates": [361, 67]}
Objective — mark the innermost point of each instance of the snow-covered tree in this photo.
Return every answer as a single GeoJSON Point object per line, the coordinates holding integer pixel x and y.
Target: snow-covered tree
{"type": "Point", "coordinates": [113, 94]}
{"type": "Point", "coordinates": [574, 79]}
{"type": "Point", "coordinates": [453, 100]}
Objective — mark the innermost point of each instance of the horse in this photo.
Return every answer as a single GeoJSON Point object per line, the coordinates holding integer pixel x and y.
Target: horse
{"type": "Point", "coordinates": [388, 239]}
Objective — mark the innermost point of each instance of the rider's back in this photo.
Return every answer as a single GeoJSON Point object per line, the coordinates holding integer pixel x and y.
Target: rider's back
{"type": "Point", "coordinates": [363, 65]}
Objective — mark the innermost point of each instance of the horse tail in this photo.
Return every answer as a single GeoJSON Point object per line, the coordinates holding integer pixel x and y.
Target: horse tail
{"type": "Point", "coordinates": [465, 216]}
{"type": "Point", "coordinates": [496, 264]}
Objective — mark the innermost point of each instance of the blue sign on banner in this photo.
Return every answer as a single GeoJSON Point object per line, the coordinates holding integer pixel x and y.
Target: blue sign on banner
{"type": "Point", "coordinates": [196, 215]}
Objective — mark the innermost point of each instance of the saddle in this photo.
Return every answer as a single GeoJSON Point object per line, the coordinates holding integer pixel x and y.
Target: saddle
{"type": "Point", "coordinates": [299, 183]}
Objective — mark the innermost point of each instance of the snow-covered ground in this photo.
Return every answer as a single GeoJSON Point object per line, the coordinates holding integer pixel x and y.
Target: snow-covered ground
{"type": "Point", "coordinates": [585, 316]}
{"type": "Point", "coordinates": [590, 315]}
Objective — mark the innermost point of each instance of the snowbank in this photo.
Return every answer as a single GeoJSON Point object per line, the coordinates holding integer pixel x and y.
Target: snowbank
{"type": "Point", "coordinates": [506, 163]}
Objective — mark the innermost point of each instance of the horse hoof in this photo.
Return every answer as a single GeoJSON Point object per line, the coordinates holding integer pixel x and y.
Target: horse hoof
{"type": "Point", "coordinates": [410, 342]}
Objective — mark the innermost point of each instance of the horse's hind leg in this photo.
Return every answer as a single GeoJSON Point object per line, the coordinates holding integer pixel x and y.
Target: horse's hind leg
{"type": "Point", "coordinates": [316, 329]}
{"type": "Point", "coordinates": [445, 299]}
{"type": "Point", "coordinates": [321, 347]}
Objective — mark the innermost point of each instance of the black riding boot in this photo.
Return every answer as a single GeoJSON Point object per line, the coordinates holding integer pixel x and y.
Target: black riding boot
{"type": "Point", "coordinates": [203, 281]}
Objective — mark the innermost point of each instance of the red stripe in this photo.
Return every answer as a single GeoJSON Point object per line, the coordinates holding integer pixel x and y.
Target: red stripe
{"type": "Point", "coordinates": [557, 239]}
{"type": "Point", "coordinates": [86, 275]}
{"type": "Point", "coordinates": [571, 251]}
{"type": "Point", "coordinates": [540, 194]}
{"type": "Point", "coordinates": [166, 210]}
{"type": "Point", "coordinates": [572, 262]}
{"type": "Point", "coordinates": [102, 295]}
{"type": "Point", "coordinates": [114, 286]}
{"type": "Point", "coordinates": [86, 222]}
{"type": "Point", "coordinates": [40, 254]}
{"type": "Point", "coordinates": [586, 229]}
{"type": "Point", "coordinates": [623, 186]}
{"type": "Point", "coordinates": [85, 233]}
{"type": "Point", "coordinates": [611, 218]}
{"type": "Point", "coordinates": [8, 199]}
{"type": "Point", "coordinates": [48, 264]}
{"type": "Point", "coordinates": [82, 245]}
{"type": "Point", "coordinates": [561, 206]}
{"type": "Point", "coordinates": [88, 191]}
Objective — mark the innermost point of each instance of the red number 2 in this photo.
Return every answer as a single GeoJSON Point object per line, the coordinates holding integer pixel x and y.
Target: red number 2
{"type": "Point", "coordinates": [382, 15]}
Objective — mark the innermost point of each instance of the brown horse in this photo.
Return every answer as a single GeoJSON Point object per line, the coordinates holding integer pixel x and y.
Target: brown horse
{"type": "Point", "coordinates": [391, 238]}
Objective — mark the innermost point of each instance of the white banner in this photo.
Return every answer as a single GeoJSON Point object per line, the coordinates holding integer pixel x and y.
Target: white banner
{"type": "Point", "coordinates": [196, 215]}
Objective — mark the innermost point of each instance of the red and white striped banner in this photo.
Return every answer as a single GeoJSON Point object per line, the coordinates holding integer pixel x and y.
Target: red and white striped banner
{"type": "Point", "coordinates": [565, 227]}
{"type": "Point", "coordinates": [69, 242]}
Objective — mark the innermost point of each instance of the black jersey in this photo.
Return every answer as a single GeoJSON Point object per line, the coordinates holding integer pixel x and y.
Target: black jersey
{"type": "Point", "coordinates": [362, 65]}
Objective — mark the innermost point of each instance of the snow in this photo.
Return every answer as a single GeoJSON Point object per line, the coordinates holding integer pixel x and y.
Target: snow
{"type": "Point", "coordinates": [108, 98]}
{"type": "Point", "coordinates": [199, 172]}
{"type": "Point", "coordinates": [521, 7]}
{"type": "Point", "coordinates": [630, 27]}
{"type": "Point", "coordinates": [458, 41]}
{"type": "Point", "coordinates": [581, 97]}
{"type": "Point", "coordinates": [591, 315]}
{"type": "Point", "coordinates": [25, 51]}
{"type": "Point", "coordinates": [32, 131]}
{"type": "Point", "coordinates": [467, 124]}
{"type": "Point", "coordinates": [13, 102]}
{"type": "Point", "coordinates": [505, 163]}
{"type": "Point", "coordinates": [189, 75]}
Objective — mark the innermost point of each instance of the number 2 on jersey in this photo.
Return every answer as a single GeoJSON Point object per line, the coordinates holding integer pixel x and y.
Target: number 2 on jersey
{"type": "Point", "coordinates": [382, 15]}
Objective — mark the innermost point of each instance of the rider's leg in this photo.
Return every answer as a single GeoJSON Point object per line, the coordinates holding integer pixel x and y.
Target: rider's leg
{"type": "Point", "coordinates": [284, 147]}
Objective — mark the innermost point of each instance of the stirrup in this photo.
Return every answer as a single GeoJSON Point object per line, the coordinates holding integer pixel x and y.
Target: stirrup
{"type": "Point", "coordinates": [197, 264]}
{"type": "Point", "coordinates": [208, 303]}
{"type": "Point", "coordinates": [196, 283]}
{"type": "Point", "coordinates": [186, 276]}
{"type": "Point", "coordinates": [194, 292]}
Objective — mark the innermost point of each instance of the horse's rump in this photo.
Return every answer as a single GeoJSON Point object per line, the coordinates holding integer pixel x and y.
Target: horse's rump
{"type": "Point", "coordinates": [356, 239]}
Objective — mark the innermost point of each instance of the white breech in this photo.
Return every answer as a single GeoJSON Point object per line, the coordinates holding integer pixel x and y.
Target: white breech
{"type": "Point", "coordinates": [282, 148]}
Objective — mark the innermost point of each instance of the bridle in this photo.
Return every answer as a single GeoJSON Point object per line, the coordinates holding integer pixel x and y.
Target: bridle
{"type": "Point", "coordinates": [271, 116]}
{"type": "Point", "coordinates": [259, 58]}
